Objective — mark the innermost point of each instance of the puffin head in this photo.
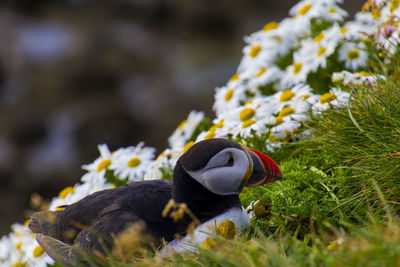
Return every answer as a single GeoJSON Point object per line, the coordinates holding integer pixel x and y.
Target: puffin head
{"type": "Point", "coordinates": [224, 167]}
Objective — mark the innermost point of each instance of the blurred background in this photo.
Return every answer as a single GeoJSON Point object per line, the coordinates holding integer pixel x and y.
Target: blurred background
{"type": "Point", "coordinates": [77, 73]}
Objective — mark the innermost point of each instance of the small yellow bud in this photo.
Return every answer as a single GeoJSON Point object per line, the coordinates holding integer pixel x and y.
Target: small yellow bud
{"type": "Point", "coordinates": [227, 229]}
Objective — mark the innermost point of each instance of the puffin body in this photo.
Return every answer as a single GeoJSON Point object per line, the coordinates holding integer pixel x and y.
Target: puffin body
{"type": "Point", "coordinates": [207, 181]}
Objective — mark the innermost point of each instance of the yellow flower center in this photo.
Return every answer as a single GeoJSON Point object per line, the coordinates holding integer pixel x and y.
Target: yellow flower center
{"type": "Point", "coordinates": [228, 95]}
{"type": "Point", "coordinates": [286, 95]}
{"type": "Point", "coordinates": [261, 72]}
{"type": "Point", "coordinates": [187, 146]}
{"type": "Point", "coordinates": [17, 264]}
{"type": "Point", "coordinates": [271, 26]}
{"type": "Point", "coordinates": [364, 73]}
{"type": "Point", "coordinates": [297, 67]}
{"type": "Point", "coordinates": [343, 31]}
{"type": "Point", "coordinates": [376, 13]}
{"type": "Point", "coordinates": [304, 96]}
{"type": "Point", "coordinates": [103, 165]}
{"type": "Point", "coordinates": [133, 162]}
{"type": "Point", "coordinates": [319, 38]}
{"type": "Point", "coordinates": [353, 54]}
{"type": "Point", "coordinates": [255, 49]}
{"type": "Point", "coordinates": [304, 9]}
{"type": "Point", "coordinates": [249, 101]}
{"type": "Point", "coordinates": [18, 246]}
{"type": "Point", "coordinates": [332, 10]}
{"type": "Point", "coordinates": [64, 193]}
{"type": "Point", "coordinates": [247, 114]}
{"type": "Point", "coordinates": [321, 51]}
{"type": "Point", "coordinates": [286, 111]}
{"type": "Point", "coordinates": [278, 120]}
{"type": "Point", "coordinates": [220, 124]}
{"type": "Point", "coordinates": [234, 77]}
{"type": "Point", "coordinates": [247, 123]}
{"type": "Point", "coordinates": [210, 135]}
{"type": "Point", "coordinates": [394, 5]}
{"type": "Point", "coordinates": [180, 126]}
{"type": "Point", "coordinates": [327, 97]}
{"type": "Point", "coordinates": [38, 251]}
{"type": "Point", "coordinates": [160, 155]}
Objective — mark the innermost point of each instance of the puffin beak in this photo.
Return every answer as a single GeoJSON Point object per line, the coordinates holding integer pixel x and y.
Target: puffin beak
{"type": "Point", "coordinates": [265, 170]}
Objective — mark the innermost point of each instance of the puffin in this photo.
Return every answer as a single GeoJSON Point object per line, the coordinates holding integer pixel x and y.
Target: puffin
{"type": "Point", "coordinates": [206, 184]}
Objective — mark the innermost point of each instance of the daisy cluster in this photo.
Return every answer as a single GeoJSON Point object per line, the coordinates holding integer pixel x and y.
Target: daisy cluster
{"type": "Point", "coordinates": [288, 70]}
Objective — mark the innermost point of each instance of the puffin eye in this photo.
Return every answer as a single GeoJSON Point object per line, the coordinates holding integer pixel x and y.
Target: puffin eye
{"type": "Point", "coordinates": [230, 162]}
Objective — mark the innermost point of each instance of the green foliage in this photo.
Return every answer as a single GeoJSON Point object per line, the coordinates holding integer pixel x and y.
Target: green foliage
{"type": "Point", "coordinates": [115, 180]}
{"type": "Point", "coordinates": [204, 125]}
{"type": "Point", "coordinates": [318, 25]}
{"type": "Point", "coordinates": [320, 80]}
{"type": "Point", "coordinates": [283, 61]}
{"type": "Point", "coordinates": [338, 201]}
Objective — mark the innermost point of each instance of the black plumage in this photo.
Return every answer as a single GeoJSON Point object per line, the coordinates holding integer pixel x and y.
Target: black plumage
{"type": "Point", "coordinates": [92, 223]}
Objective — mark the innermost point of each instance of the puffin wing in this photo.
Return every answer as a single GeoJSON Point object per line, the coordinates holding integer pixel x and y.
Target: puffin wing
{"type": "Point", "coordinates": [120, 233]}
{"type": "Point", "coordinates": [59, 251]}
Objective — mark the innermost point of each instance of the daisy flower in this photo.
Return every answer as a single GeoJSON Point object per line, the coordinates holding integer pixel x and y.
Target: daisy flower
{"type": "Point", "coordinates": [334, 97]}
{"type": "Point", "coordinates": [73, 194]}
{"type": "Point", "coordinates": [297, 72]}
{"type": "Point", "coordinates": [102, 163]}
{"type": "Point", "coordinates": [252, 117]}
{"type": "Point", "coordinates": [34, 254]}
{"type": "Point", "coordinates": [217, 130]}
{"type": "Point", "coordinates": [165, 161]}
{"type": "Point", "coordinates": [353, 55]}
{"type": "Point", "coordinates": [185, 129]}
{"type": "Point", "coordinates": [334, 13]}
{"type": "Point", "coordinates": [5, 250]}
{"type": "Point", "coordinates": [264, 75]}
{"type": "Point", "coordinates": [227, 98]}
{"type": "Point", "coordinates": [131, 162]}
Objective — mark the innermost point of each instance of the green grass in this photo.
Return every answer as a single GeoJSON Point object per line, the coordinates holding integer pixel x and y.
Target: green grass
{"type": "Point", "coordinates": [341, 183]}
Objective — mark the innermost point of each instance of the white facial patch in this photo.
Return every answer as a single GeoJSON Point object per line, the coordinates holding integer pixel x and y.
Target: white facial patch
{"type": "Point", "coordinates": [224, 172]}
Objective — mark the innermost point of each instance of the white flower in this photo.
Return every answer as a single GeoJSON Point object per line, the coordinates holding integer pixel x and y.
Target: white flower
{"type": "Point", "coordinates": [265, 76]}
{"type": "Point", "coordinates": [227, 98]}
{"type": "Point", "coordinates": [92, 182]}
{"type": "Point", "coordinates": [334, 13]}
{"type": "Point", "coordinates": [166, 161]}
{"type": "Point", "coordinates": [5, 250]}
{"type": "Point", "coordinates": [131, 162]}
{"type": "Point", "coordinates": [252, 117]}
{"type": "Point", "coordinates": [297, 72]}
{"type": "Point", "coordinates": [334, 98]}
{"type": "Point", "coordinates": [353, 55]}
{"type": "Point", "coordinates": [102, 163]}
{"type": "Point", "coordinates": [185, 129]}
{"type": "Point", "coordinates": [34, 255]}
